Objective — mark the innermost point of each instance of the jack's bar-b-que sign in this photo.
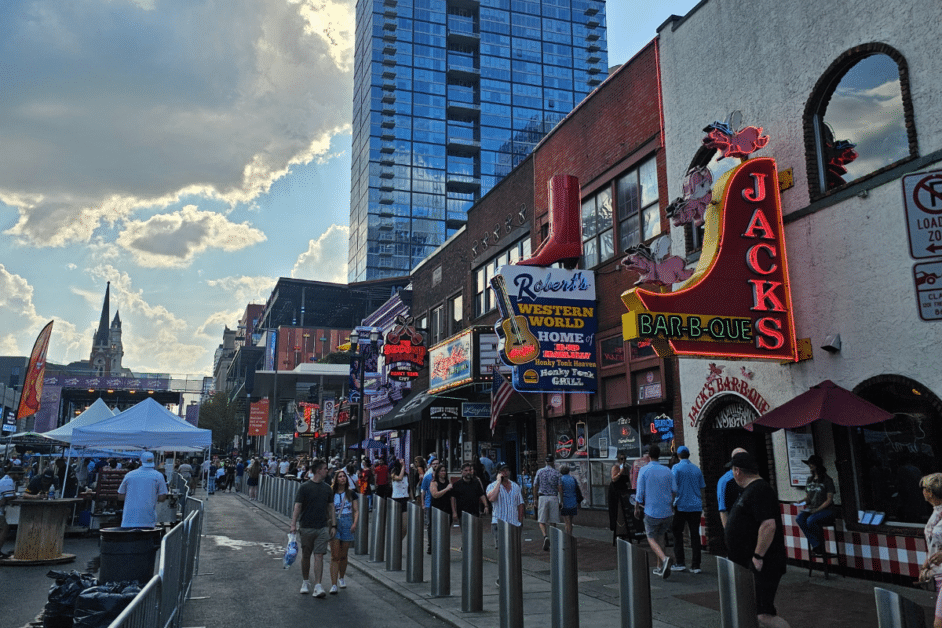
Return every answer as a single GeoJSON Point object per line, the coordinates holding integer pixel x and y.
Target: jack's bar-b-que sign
{"type": "Point", "coordinates": [738, 302]}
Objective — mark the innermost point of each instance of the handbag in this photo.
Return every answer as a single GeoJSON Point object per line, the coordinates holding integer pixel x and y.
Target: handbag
{"type": "Point", "coordinates": [579, 496]}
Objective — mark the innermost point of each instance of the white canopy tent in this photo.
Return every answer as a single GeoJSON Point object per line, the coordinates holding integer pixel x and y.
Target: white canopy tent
{"type": "Point", "coordinates": [98, 411]}
{"type": "Point", "coordinates": [148, 425]}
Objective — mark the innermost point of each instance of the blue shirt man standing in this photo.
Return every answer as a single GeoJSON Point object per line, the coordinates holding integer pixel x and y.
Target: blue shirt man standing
{"type": "Point", "coordinates": [656, 490]}
{"type": "Point", "coordinates": [689, 507]}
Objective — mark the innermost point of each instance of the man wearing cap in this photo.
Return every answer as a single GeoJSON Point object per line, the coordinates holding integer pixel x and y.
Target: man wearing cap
{"type": "Point", "coordinates": [546, 487]}
{"type": "Point", "coordinates": [140, 491]}
{"type": "Point", "coordinates": [426, 493]}
{"type": "Point", "coordinates": [727, 491]}
{"type": "Point", "coordinates": [755, 537]}
{"type": "Point", "coordinates": [656, 490]}
{"type": "Point", "coordinates": [688, 508]}
{"type": "Point", "coordinates": [7, 494]}
{"type": "Point", "coordinates": [39, 485]}
{"type": "Point", "coordinates": [507, 499]}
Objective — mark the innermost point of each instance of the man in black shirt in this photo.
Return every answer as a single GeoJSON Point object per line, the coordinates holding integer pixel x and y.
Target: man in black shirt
{"type": "Point", "coordinates": [755, 537]}
{"type": "Point", "coordinates": [314, 505]}
{"type": "Point", "coordinates": [467, 495]}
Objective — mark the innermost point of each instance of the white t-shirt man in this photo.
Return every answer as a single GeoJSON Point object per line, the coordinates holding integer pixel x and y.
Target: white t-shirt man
{"type": "Point", "coordinates": [283, 467]}
{"type": "Point", "coordinates": [142, 489]}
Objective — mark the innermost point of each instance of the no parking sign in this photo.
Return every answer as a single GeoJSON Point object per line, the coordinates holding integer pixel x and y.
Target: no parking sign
{"type": "Point", "coordinates": [922, 198]}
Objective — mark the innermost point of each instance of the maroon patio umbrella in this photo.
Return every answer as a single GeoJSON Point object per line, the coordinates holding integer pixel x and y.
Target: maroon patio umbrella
{"type": "Point", "coordinates": [826, 401]}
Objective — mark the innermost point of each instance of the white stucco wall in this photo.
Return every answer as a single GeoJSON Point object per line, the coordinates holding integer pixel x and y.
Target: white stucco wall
{"type": "Point", "coordinates": [850, 268]}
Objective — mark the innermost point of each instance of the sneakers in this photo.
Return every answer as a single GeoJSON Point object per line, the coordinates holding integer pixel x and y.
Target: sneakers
{"type": "Point", "coordinates": [545, 543]}
{"type": "Point", "coordinates": [334, 590]}
{"type": "Point", "coordinates": [342, 583]}
{"type": "Point", "coordinates": [696, 570]}
{"type": "Point", "coordinates": [305, 587]}
{"type": "Point", "coordinates": [664, 570]}
{"type": "Point", "coordinates": [319, 590]}
{"type": "Point", "coordinates": [679, 568]}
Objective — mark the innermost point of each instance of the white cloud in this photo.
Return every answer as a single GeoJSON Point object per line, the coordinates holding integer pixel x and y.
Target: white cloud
{"type": "Point", "coordinates": [326, 257]}
{"type": "Point", "coordinates": [215, 323]}
{"type": "Point", "coordinates": [174, 239]}
{"type": "Point", "coordinates": [244, 290]}
{"type": "Point", "coordinates": [112, 108]}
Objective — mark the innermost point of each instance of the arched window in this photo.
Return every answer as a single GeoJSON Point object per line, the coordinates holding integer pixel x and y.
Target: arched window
{"type": "Point", "coordinates": [859, 119]}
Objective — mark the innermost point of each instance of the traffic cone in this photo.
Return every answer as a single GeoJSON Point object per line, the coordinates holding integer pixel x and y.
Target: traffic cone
{"type": "Point", "coordinates": [564, 243]}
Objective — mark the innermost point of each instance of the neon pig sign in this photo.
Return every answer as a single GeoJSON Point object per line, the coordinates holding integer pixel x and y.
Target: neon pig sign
{"type": "Point", "coordinates": [738, 302]}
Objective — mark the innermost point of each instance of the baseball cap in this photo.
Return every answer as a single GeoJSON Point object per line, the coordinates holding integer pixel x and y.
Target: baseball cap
{"type": "Point", "coordinates": [502, 465]}
{"type": "Point", "coordinates": [814, 459]}
{"type": "Point", "coordinates": [550, 458]}
{"type": "Point", "coordinates": [147, 459]}
{"type": "Point", "coordinates": [743, 460]}
{"type": "Point", "coordinates": [683, 449]}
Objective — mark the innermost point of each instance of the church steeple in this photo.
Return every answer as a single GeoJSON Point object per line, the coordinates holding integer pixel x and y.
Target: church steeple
{"type": "Point", "coordinates": [102, 335]}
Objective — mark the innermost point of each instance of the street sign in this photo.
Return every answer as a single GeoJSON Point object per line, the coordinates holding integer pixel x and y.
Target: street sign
{"type": "Point", "coordinates": [922, 198]}
{"type": "Point", "coordinates": [928, 278]}
{"type": "Point", "coordinates": [475, 410]}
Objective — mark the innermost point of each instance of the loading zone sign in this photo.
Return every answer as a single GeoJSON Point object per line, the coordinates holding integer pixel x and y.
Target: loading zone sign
{"type": "Point", "coordinates": [922, 198]}
{"type": "Point", "coordinates": [928, 278]}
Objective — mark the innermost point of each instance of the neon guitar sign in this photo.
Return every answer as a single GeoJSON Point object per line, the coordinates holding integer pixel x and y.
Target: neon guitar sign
{"type": "Point", "coordinates": [517, 342]}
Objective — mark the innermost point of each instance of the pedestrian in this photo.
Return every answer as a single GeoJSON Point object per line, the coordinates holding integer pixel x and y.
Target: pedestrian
{"type": "Point", "coordinates": [819, 499]}
{"type": "Point", "coordinates": [314, 512]}
{"type": "Point", "coordinates": [467, 494]}
{"type": "Point", "coordinates": [569, 494]}
{"type": "Point", "coordinates": [7, 493]}
{"type": "Point", "coordinates": [186, 472]}
{"type": "Point", "coordinates": [489, 469]}
{"type": "Point", "coordinates": [283, 467]}
{"type": "Point", "coordinates": [366, 482]}
{"type": "Point", "coordinates": [426, 501]}
{"type": "Point", "coordinates": [346, 514]}
{"type": "Point", "coordinates": [546, 486]}
{"type": "Point", "coordinates": [230, 475]}
{"type": "Point", "coordinates": [507, 500]}
{"type": "Point", "coordinates": [140, 491]}
{"type": "Point", "coordinates": [755, 537]}
{"type": "Point", "coordinates": [381, 475]}
{"type": "Point", "coordinates": [204, 473]}
{"type": "Point", "coordinates": [727, 491]}
{"type": "Point", "coordinates": [441, 490]}
{"type": "Point", "coordinates": [253, 473]}
{"type": "Point", "coordinates": [211, 479]}
{"type": "Point", "coordinates": [239, 474]}
{"type": "Point", "coordinates": [687, 510]}
{"type": "Point", "coordinates": [399, 478]}
{"type": "Point", "coordinates": [419, 469]}
{"type": "Point", "coordinates": [619, 498]}
{"type": "Point", "coordinates": [220, 476]}
{"type": "Point", "coordinates": [656, 491]}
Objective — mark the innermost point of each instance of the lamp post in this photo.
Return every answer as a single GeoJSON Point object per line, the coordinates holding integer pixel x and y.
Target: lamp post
{"type": "Point", "coordinates": [356, 352]}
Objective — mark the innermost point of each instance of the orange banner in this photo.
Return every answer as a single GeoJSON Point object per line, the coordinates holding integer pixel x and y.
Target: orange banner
{"type": "Point", "coordinates": [33, 384]}
{"type": "Point", "coordinates": [258, 418]}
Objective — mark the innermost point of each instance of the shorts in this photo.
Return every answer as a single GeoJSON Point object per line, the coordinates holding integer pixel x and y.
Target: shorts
{"type": "Point", "coordinates": [549, 509]}
{"type": "Point", "coordinates": [655, 528]}
{"type": "Point", "coordinates": [314, 540]}
{"type": "Point", "coordinates": [569, 512]}
{"type": "Point", "coordinates": [766, 587]}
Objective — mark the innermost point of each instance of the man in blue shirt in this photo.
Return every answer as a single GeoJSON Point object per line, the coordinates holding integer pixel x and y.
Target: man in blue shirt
{"type": "Point", "coordinates": [656, 490]}
{"type": "Point", "coordinates": [689, 507]}
{"type": "Point", "coordinates": [727, 491]}
{"type": "Point", "coordinates": [427, 500]}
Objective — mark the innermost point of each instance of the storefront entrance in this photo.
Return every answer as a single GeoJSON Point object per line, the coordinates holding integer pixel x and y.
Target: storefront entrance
{"type": "Point", "coordinates": [721, 429]}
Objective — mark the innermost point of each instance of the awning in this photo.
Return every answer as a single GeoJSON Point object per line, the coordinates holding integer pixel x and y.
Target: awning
{"type": "Point", "coordinates": [826, 401]}
{"type": "Point", "coordinates": [410, 409]}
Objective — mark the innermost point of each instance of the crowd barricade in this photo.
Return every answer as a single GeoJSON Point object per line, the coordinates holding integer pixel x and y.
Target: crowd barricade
{"type": "Point", "coordinates": [160, 602]}
{"type": "Point", "coordinates": [277, 493]}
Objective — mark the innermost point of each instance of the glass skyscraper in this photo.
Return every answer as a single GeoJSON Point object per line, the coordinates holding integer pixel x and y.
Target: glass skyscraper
{"type": "Point", "coordinates": [449, 96]}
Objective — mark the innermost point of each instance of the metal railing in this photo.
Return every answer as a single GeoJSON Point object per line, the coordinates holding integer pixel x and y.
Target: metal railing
{"type": "Point", "coordinates": [160, 602]}
{"type": "Point", "coordinates": [277, 493]}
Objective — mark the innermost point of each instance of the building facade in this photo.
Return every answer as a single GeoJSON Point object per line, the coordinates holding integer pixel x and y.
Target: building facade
{"type": "Point", "coordinates": [449, 96]}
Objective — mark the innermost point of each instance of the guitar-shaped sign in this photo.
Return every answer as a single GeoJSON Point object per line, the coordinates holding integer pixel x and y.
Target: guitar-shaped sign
{"type": "Point", "coordinates": [517, 342]}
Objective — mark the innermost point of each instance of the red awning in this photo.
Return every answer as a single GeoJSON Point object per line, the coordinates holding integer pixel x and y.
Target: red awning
{"type": "Point", "coordinates": [826, 401]}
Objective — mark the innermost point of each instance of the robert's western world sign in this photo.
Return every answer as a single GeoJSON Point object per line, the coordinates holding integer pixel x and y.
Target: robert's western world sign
{"type": "Point", "coordinates": [547, 328]}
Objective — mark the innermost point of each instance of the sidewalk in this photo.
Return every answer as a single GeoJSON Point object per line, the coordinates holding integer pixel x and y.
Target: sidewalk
{"type": "Point", "coordinates": [684, 600]}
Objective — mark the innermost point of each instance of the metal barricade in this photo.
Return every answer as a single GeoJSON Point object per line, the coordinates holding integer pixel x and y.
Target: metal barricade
{"type": "Point", "coordinates": [896, 611]}
{"type": "Point", "coordinates": [441, 550]}
{"type": "Point", "coordinates": [510, 573]}
{"type": "Point", "coordinates": [564, 579]}
{"type": "Point", "coordinates": [394, 536]}
{"type": "Point", "coordinates": [634, 586]}
{"type": "Point", "coordinates": [415, 564]}
{"type": "Point", "coordinates": [144, 609]}
{"type": "Point", "coordinates": [361, 540]}
{"type": "Point", "coordinates": [171, 575]}
{"type": "Point", "coordinates": [378, 540]}
{"type": "Point", "coordinates": [472, 563]}
{"type": "Point", "coordinates": [737, 595]}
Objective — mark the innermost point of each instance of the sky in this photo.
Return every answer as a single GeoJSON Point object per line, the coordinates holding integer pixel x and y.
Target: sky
{"type": "Point", "coordinates": [188, 151]}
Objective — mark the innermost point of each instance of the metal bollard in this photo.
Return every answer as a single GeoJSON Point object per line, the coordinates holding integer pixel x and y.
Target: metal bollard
{"type": "Point", "coordinates": [415, 562]}
{"type": "Point", "coordinates": [510, 573]}
{"type": "Point", "coordinates": [441, 553]}
{"type": "Point", "coordinates": [393, 536]}
{"type": "Point", "coordinates": [896, 611]}
{"type": "Point", "coordinates": [564, 579]}
{"type": "Point", "coordinates": [361, 542]}
{"type": "Point", "coordinates": [634, 586]}
{"type": "Point", "coordinates": [472, 563]}
{"type": "Point", "coordinates": [737, 595]}
{"type": "Point", "coordinates": [378, 540]}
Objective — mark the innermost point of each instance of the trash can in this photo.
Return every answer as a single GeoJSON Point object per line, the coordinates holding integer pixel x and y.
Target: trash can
{"type": "Point", "coordinates": [128, 554]}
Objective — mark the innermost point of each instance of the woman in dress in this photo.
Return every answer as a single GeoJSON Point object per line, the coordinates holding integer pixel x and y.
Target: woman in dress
{"type": "Point", "coordinates": [568, 486]}
{"type": "Point", "coordinates": [347, 511]}
{"type": "Point", "coordinates": [819, 500]}
{"type": "Point", "coordinates": [253, 472]}
{"type": "Point", "coordinates": [399, 478]}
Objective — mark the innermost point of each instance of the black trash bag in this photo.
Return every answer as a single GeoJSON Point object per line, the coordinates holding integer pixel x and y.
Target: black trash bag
{"type": "Point", "coordinates": [60, 606]}
{"type": "Point", "coordinates": [98, 606]}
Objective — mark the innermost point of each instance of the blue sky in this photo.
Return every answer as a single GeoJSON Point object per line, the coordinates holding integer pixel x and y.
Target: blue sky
{"type": "Point", "coordinates": [190, 152]}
